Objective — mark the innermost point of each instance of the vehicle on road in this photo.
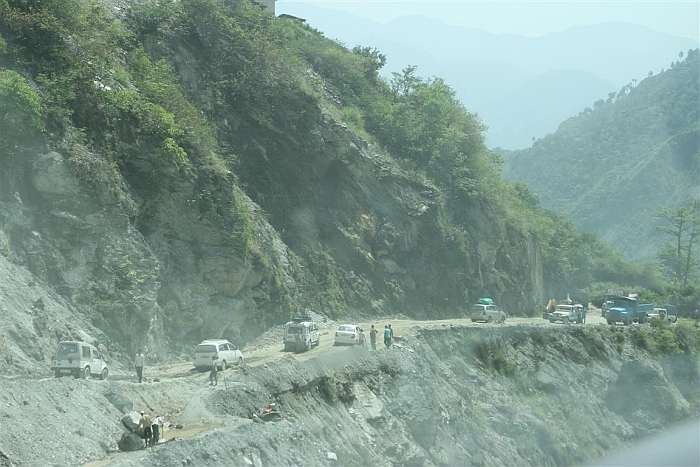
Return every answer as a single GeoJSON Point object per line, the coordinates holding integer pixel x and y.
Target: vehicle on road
{"type": "Point", "coordinates": [665, 314]}
{"type": "Point", "coordinates": [225, 353]}
{"type": "Point", "coordinates": [301, 334]}
{"type": "Point", "coordinates": [627, 310]}
{"type": "Point", "coordinates": [78, 359]}
{"type": "Point", "coordinates": [658, 313]}
{"type": "Point", "coordinates": [610, 294]}
{"type": "Point", "coordinates": [347, 334]}
{"type": "Point", "coordinates": [671, 315]}
{"type": "Point", "coordinates": [568, 314]}
{"type": "Point", "coordinates": [487, 313]}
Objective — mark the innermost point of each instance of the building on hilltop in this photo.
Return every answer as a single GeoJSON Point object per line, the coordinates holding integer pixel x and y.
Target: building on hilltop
{"type": "Point", "coordinates": [292, 17]}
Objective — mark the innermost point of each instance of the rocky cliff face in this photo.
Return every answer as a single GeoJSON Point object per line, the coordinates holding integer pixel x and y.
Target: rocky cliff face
{"type": "Point", "coordinates": [134, 265]}
{"type": "Point", "coordinates": [297, 212]}
{"type": "Point", "coordinates": [357, 236]}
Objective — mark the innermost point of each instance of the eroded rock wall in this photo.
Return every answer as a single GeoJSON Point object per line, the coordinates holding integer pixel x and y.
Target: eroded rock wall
{"type": "Point", "coordinates": [527, 395]}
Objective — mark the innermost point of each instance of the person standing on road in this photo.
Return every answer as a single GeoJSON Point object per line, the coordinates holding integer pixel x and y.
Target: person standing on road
{"type": "Point", "coordinates": [391, 335]}
{"type": "Point", "coordinates": [387, 336]}
{"type": "Point", "coordinates": [157, 429]}
{"type": "Point", "coordinates": [139, 365]}
{"type": "Point", "coordinates": [213, 375]}
{"type": "Point", "coordinates": [146, 423]}
{"type": "Point", "coordinates": [373, 337]}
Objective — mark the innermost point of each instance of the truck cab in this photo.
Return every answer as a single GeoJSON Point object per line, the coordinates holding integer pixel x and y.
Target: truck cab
{"type": "Point", "coordinates": [627, 310]}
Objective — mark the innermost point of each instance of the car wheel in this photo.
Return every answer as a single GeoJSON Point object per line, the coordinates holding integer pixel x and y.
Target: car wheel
{"type": "Point", "coordinates": [240, 361]}
{"type": "Point", "coordinates": [86, 373]}
{"type": "Point", "coordinates": [223, 365]}
{"type": "Point", "coordinates": [489, 319]}
{"type": "Point", "coordinates": [503, 319]}
{"type": "Point", "coordinates": [286, 346]}
{"type": "Point", "coordinates": [551, 321]}
{"type": "Point", "coordinates": [308, 345]}
{"type": "Point", "coordinates": [610, 323]}
{"type": "Point", "coordinates": [104, 374]}
{"type": "Point", "coordinates": [58, 374]}
{"type": "Point", "coordinates": [566, 320]}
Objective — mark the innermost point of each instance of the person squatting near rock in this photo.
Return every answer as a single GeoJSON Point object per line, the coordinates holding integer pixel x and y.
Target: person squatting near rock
{"type": "Point", "coordinates": [138, 362]}
{"type": "Point", "coordinates": [213, 374]}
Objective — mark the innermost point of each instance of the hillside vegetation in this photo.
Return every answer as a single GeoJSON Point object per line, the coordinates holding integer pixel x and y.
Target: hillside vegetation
{"type": "Point", "coordinates": [612, 167]}
{"type": "Point", "coordinates": [182, 170]}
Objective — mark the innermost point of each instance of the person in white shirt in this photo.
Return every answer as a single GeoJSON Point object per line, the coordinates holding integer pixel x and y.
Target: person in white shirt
{"type": "Point", "coordinates": [139, 365]}
{"type": "Point", "coordinates": [157, 429]}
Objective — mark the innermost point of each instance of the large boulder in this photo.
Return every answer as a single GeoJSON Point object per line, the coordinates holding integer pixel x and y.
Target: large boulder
{"type": "Point", "coordinates": [130, 442]}
{"type": "Point", "coordinates": [131, 422]}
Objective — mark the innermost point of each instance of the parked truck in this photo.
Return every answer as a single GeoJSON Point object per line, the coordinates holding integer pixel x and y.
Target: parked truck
{"type": "Point", "coordinates": [627, 310]}
{"type": "Point", "coordinates": [610, 294]}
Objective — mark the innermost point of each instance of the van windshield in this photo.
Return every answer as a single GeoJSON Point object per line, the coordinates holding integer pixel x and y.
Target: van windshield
{"type": "Point", "coordinates": [67, 349]}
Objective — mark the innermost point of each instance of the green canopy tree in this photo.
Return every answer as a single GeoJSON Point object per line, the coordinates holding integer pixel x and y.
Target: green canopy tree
{"type": "Point", "coordinates": [683, 229]}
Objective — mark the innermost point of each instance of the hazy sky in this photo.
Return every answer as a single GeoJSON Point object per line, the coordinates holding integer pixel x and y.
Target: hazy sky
{"type": "Point", "coordinates": [526, 17]}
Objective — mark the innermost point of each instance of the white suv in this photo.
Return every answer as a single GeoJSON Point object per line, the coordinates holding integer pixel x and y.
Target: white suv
{"type": "Point", "coordinates": [488, 313]}
{"type": "Point", "coordinates": [301, 334]}
{"type": "Point", "coordinates": [78, 359]}
{"type": "Point", "coordinates": [223, 351]}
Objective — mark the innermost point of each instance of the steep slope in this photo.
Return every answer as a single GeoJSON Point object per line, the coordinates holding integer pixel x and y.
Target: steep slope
{"type": "Point", "coordinates": [127, 181]}
{"type": "Point", "coordinates": [609, 168]}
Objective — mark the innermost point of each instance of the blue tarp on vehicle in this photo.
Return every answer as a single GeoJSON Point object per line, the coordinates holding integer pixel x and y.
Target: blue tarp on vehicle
{"type": "Point", "coordinates": [485, 301]}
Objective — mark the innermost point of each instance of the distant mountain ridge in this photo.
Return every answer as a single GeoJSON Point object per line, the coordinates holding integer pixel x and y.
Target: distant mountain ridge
{"type": "Point", "coordinates": [483, 67]}
{"type": "Point", "coordinates": [609, 168]}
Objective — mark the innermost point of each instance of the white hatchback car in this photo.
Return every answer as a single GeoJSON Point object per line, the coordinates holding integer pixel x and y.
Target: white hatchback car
{"type": "Point", "coordinates": [347, 334]}
{"type": "Point", "coordinates": [225, 353]}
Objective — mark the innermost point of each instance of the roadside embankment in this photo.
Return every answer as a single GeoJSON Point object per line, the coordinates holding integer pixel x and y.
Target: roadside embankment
{"type": "Point", "coordinates": [460, 395]}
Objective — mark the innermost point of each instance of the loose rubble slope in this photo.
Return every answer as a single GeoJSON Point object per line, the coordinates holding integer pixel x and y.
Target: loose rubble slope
{"type": "Point", "coordinates": [489, 395]}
